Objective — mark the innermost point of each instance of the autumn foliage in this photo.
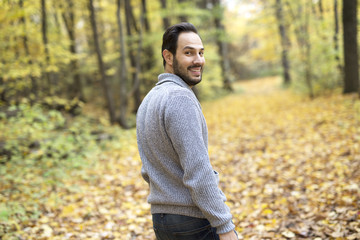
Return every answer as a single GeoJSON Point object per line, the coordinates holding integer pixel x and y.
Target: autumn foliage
{"type": "Point", "coordinates": [289, 166]}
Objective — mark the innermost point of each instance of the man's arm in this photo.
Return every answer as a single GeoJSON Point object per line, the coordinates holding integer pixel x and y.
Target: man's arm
{"type": "Point", "coordinates": [144, 174]}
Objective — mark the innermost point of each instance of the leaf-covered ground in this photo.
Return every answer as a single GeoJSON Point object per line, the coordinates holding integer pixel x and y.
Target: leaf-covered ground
{"type": "Point", "coordinates": [289, 166]}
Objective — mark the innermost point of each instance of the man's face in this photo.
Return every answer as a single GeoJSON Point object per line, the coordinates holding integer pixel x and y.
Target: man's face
{"type": "Point", "coordinates": [189, 60]}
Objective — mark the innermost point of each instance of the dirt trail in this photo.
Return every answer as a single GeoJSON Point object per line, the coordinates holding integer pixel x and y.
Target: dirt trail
{"type": "Point", "coordinates": [261, 86]}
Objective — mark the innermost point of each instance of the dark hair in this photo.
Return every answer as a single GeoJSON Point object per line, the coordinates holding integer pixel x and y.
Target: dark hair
{"type": "Point", "coordinates": [171, 35]}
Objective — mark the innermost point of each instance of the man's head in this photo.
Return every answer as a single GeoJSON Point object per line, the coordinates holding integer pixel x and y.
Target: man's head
{"type": "Point", "coordinates": [183, 52]}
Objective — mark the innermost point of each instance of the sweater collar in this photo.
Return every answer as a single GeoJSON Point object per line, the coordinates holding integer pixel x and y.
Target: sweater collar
{"type": "Point", "coordinates": [169, 77]}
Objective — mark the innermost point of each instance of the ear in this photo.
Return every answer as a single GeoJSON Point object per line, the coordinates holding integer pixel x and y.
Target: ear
{"type": "Point", "coordinates": [168, 56]}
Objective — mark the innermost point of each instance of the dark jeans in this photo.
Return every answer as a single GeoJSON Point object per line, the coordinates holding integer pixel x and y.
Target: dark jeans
{"type": "Point", "coordinates": [178, 227]}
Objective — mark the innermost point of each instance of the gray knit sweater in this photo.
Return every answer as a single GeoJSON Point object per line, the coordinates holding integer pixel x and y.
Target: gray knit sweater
{"type": "Point", "coordinates": [172, 142]}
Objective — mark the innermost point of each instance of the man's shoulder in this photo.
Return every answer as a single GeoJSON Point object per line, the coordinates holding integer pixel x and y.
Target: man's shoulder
{"type": "Point", "coordinates": [171, 90]}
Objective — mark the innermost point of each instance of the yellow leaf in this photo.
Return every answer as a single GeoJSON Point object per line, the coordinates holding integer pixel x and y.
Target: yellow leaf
{"type": "Point", "coordinates": [68, 211]}
{"type": "Point", "coordinates": [267, 211]}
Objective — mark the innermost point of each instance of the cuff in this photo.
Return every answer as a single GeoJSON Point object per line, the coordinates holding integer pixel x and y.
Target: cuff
{"type": "Point", "coordinates": [225, 228]}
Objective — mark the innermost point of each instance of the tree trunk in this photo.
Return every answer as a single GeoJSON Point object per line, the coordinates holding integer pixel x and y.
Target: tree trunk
{"type": "Point", "coordinates": [303, 40]}
{"type": "Point", "coordinates": [308, 63]}
{"type": "Point", "coordinates": [351, 68]}
{"type": "Point", "coordinates": [336, 38]}
{"type": "Point", "coordinates": [34, 86]}
{"type": "Point", "coordinates": [321, 9]}
{"type": "Point", "coordinates": [123, 71]}
{"type": "Point", "coordinates": [106, 87]}
{"type": "Point", "coordinates": [182, 17]}
{"type": "Point", "coordinates": [2, 93]}
{"type": "Point", "coordinates": [285, 43]}
{"type": "Point", "coordinates": [69, 20]}
{"type": "Point", "coordinates": [136, 85]}
{"type": "Point", "coordinates": [135, 76]}
{"type": "Point", "coordinates": [48, 74]}
{"type": "Point", "coordinates": [222, 45]}
{"type": "Point", "coordinates": [165, 19]}
{"type": "Point", "coordinates": [149, 60]}
{"type": "Point", "coordinates": [146, 20]}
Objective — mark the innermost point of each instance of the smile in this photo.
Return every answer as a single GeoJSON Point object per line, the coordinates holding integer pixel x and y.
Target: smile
{"type": "Point", "coordinates": [195, 69]}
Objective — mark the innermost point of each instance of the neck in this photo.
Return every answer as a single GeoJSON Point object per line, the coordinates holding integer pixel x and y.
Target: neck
{"type": "Point", "coordinates": [168, 69]}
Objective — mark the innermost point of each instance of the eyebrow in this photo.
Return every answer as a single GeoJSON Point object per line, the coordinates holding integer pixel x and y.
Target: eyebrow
{"type": "Point", "coordinates": [189, 47]}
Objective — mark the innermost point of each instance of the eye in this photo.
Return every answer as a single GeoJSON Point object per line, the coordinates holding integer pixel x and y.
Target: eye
{"type": "Point", "coordinates": [187, 53]}
{"type": "Point", "coordinates": [201, 54]}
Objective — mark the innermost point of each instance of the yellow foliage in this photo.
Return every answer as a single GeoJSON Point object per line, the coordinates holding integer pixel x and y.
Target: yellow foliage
{"type": "Point", "coordinates": [289, 167]}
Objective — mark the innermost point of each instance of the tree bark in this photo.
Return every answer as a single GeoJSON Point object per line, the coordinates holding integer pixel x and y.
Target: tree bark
{"type": "Point", "coordinates": [69, 20]}
{"type": "Point", "coordinates": [351, 68]}
{"type": "Point", "coordinates": [123, 71]}
{"type": "Point", "coordinates": [105, 84]}
{"type": "Point", "coordinates": [285, 43]}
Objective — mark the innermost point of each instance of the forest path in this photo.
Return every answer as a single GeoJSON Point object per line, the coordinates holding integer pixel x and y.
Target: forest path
{"type": "Point", "coordinates": [263, 86]}
{"type": "Point", "coordinates": [289, 167]}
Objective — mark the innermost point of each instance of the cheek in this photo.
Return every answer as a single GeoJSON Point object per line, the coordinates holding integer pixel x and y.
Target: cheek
{"type": "Point", "coordinates": [184, 62]}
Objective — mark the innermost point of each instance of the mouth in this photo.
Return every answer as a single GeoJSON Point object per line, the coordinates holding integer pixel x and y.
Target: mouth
{"type": "Point", "coordinates": [195, 70]}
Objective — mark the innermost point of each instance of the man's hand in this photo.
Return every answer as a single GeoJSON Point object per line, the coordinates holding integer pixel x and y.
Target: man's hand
{"type": "Point", "coordinates": [228, 236]}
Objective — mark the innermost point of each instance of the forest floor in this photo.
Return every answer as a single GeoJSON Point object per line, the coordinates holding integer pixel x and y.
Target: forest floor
{"type": "Point", "coordinates": [290, 168]}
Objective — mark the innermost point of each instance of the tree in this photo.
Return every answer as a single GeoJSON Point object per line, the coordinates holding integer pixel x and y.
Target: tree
{"type": "Point", "coordinates": [44, 31]}
{"type": "Point", "coordinates": [285, 42]}
{"type": "Point", "coordinates": [148, 62]}
{"type": "Point", "coordinates": [303, 39]}
{"type": "Point", "coordinates": [69, 20]}
{"type": "Point", "coordinates": [351, 67]}
{"type": "Point", "coordinates": [130, 25]}
{"type": "Point", "coordinates": [222, 44]}
{"type": "Point", "coordinates": [335, 38]}
{"type": "Point", "coordinates": [123, 70]}
{"type": "Point", "coordinates": [182, 17]}
{"type": "Point", "coordinates": [165, 18]}
{"type": "Point", "coordinates": [136, 82]}
{"type": "Point", "coordinates": [68, 15]}
{"type": "Point", "coordinates": [34, 85]}
{"type": "Point", "coordinates": [105, 84]}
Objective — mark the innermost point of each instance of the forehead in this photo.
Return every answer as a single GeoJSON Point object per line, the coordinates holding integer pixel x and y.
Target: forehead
{"type": "Point", "coordinates": [189, 39]}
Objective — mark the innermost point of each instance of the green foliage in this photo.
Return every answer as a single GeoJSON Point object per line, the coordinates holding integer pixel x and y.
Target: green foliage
{"type": "Point", "coordinates": [40, 149]}
{"type": "Point", "coordinates": [4, 212]}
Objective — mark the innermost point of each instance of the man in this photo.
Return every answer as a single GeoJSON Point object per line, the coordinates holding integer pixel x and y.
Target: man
{"type": "Point", "coordinates": [186, 202]}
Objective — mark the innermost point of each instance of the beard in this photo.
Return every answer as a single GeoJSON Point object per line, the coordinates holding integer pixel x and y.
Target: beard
{"type": "Point", "coordinates": [184, 74]}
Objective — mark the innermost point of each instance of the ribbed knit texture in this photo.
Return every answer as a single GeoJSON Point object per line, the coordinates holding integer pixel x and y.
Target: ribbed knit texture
{"type": "Point", "coordinates": [172, 142]}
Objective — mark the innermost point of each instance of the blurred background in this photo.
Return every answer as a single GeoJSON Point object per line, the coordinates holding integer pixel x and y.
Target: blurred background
{"type": "Point", "coordinates": [72, 76]}
{"type": "Point", "coordinates": [62, 54]}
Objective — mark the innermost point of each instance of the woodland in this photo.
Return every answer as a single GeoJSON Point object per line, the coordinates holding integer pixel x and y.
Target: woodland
{"type": "Point", "coordinates": [280, 94]}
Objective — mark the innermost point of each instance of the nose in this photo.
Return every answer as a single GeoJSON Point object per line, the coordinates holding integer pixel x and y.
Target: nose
{"type": "Point", "coordinates": [199, 59]}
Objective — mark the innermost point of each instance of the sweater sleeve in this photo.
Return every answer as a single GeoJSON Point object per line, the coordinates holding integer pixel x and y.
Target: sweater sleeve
{"type": "Point", "coordinates": [183, 122]}
{"type": "Point", "coordinates": [145, 175]}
